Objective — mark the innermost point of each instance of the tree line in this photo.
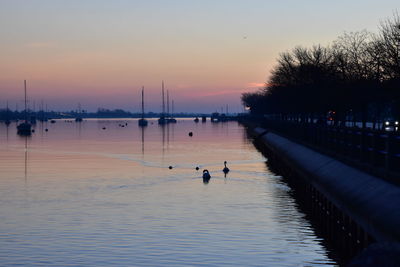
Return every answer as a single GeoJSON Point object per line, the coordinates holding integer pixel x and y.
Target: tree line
{"type": "Point", "coordinates": [357, 75]}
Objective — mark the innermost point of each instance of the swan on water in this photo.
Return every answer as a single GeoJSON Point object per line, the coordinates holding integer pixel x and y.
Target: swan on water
{"type": "Point", "coordinates": [206, 174]}
{"type": "Point", "coordinates": [226, 169]}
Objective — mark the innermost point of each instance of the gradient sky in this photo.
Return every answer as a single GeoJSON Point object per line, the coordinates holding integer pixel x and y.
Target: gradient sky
{"type": "Point", "coordinates": [208, 52]}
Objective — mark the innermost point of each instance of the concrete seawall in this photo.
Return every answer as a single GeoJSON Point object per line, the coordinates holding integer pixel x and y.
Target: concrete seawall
{"type": "Point", "coordinates": [371, 202]}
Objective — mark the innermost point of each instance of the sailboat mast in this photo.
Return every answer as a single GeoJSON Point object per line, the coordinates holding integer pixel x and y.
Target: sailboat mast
{"type": "Point", "coordinates": [168, 103]}
{"type": "Point", "coordinates": [42, 109]}
{"type": "Point", "coordinates": [163, 99]}
{"type": "Point", "coordinates": [172, 108]}
{"type": "Point", "coordinates": [142, 102]}
{"type": "Point", "coordinates": [7, 112]}
{"type": "Point", "coordinates": [26, 115]}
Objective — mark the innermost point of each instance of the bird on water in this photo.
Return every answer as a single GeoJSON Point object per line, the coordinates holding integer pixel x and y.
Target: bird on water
{"type": "Point", "coordinates": [206, 174]}
{"type": "Point", "coordinates": [226, 169]}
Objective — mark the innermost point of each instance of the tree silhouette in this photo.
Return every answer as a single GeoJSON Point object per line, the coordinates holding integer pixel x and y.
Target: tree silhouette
{"type": "Point", "coordinates": [358, 74]}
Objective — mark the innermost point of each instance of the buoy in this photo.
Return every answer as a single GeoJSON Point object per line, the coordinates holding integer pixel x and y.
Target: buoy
{"type": "Point", "coordinates": [170, 167]}
{"type": "Point", "coordinates": [197, 168]}
{"type": "Point", "coordinates": [190, 134]}
{"type": "Point", "coordinates": [33, 130]}
{"type": "Point", "coordinates": [104, 128]}
{"type": "Point", "coordinates": [46, 130]}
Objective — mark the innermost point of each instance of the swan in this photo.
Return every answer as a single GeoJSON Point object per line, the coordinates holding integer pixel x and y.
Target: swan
{"type": "Point", "coordinates": [206, 174]}
{"type": "Point", "coordinates": [226, 169]}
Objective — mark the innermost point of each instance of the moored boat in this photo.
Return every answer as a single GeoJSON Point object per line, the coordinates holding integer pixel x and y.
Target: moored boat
{"type": "Point", "coordinates": [24, 128]}
{"type": "Point", "coordinates": [142, 122]}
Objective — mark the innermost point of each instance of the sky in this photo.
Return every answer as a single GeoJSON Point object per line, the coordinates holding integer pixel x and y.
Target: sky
{"type": "Point", "coordinates": [100, 53]}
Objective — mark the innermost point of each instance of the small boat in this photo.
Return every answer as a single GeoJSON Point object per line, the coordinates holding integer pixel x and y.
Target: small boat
{"type": "Point", "coordinates": [24, 128]}
{"type": "Point", "coordinates": [142, 122]}
{"type": "Point", "coordinates": [215, 117]}
{"type": "Point", "coordinates": [196, 120]}
{"type": "Point", "coordinates": [162, 120]}
{"type": "Point", "coordinates": [203, 119]}
{"type": "Point", "coordinates": [33, 119]}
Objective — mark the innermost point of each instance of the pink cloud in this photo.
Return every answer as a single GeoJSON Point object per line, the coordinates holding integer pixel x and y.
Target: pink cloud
{"type": "Point", "coordinates": [255, 85]}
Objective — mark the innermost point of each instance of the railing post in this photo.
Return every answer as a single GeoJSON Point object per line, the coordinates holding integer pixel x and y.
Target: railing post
{"type": "Point", "coordinates": [395, 153]}
{"type": "Point", "coordinates": [388, 149]}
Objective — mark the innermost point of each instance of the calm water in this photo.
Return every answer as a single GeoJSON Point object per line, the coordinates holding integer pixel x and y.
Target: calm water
{"type": "Point", "coordinates": [81, 195]}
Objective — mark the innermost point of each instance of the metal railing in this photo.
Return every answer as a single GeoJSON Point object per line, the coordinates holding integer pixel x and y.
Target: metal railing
{"type": "Point", "coordinates": [375, 150]}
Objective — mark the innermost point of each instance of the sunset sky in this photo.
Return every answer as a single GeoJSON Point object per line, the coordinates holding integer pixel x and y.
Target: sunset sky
{"type": "Point", "coordinates": [100, 53]}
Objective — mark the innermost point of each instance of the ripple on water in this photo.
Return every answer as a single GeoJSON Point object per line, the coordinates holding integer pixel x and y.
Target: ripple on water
{"type": "Point", "coordinates": [87, 198]}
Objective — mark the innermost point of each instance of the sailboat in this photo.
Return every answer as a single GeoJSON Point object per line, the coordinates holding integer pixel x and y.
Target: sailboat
{"type": "Point", "coordinates": [162, 120]}
{"type": "Point", "coordinates": [170, 119]}
{"type": "Point", "coordinates": [33, 115]}
{"type": "Point", "coordinates": [79, 116]}
{"type": "Point", "coordinates": [142, 122]}
{"type": "Point", "coordinates": [25, 127]}
{"type": "Point", "coordinates": [7, 120]}
{"type": "Point", "coordinates": [41, 114]}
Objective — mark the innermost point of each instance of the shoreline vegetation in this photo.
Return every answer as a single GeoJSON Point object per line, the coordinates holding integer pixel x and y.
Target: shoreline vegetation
{"type": "Point", "coordinates": [355, 78]}
{"type": "Point", "coordinates": [9, 115]}
{"type": "Point", "coordinates": [100, 113]}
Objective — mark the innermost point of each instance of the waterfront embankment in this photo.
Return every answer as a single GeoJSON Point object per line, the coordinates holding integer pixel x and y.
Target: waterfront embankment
{"type": "Point", "coordinates": [370, 201]}
{"type": "Point", "coordinates": [365, 207]}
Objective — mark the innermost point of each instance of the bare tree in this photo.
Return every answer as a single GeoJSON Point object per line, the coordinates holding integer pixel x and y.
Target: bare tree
{"type": "Point", "coordinates": [390, 38]}
{"type": "Point", "coordinates": [351, 52]}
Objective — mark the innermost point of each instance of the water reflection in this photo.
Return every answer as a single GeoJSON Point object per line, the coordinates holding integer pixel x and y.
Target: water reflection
{"type": "Point", "coordinates": [26, 159]}
{"type": "Point", "coordinates": [7, 130]}
{"type": "Point", "coordinates": [106, 197]}
{"type": "Point", "coordinates": [78, 125]}
{"type": "Point", "coordinates": [287, 190]}
{"type": "Point", "coordinates": [142, 131]}
{"type": "Point", "coordinates": [164, 128]}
